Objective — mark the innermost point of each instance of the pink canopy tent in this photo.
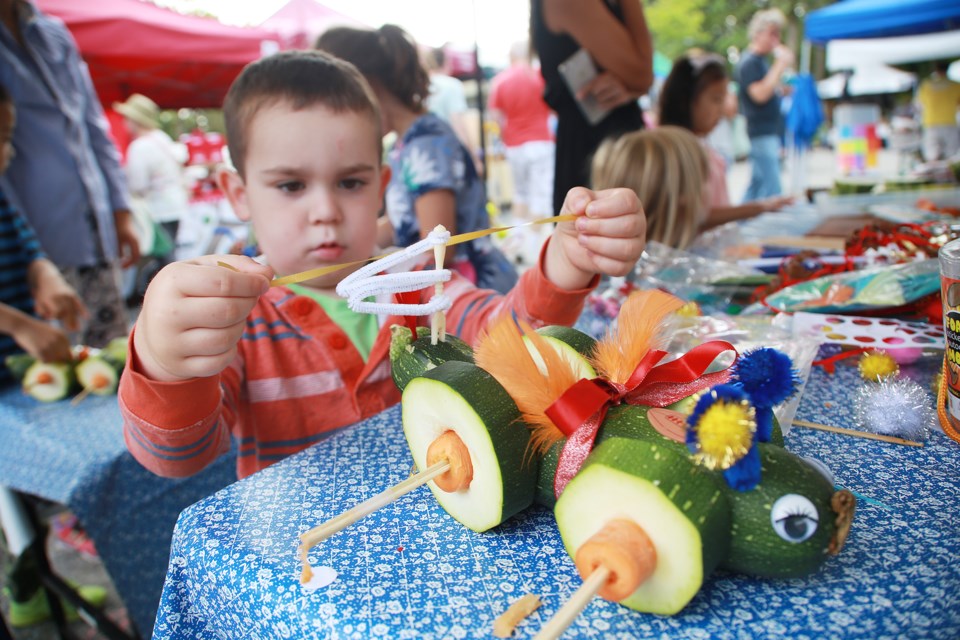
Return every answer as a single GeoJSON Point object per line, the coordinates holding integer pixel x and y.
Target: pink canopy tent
{"type": "Point", "coordinates": [299, 22]}
{"type": "Point", "coordinates": [178, 60]}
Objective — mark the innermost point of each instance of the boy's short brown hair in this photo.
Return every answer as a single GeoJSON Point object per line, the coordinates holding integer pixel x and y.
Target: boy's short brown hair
{"type": "Point", "coordinates": [300, 79]}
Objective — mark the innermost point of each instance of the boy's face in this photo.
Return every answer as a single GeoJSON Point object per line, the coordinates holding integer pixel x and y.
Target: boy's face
{"type": "Point", "coordinates": [8, 118]}
{"type": "Point", "coordinates": [314, 184]}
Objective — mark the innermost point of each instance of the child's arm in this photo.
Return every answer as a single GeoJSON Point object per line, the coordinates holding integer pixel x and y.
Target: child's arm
{"type": "Point", "coordinates": [193, 315]}
{"type": "Point", "coordinates": [607, 237]}
{"type": "Point", "coordinates": [34, 336]}
{"type": "Point", "coordinates": [176, 409]}
{"type": "Point", "coordinates": [53, 297]}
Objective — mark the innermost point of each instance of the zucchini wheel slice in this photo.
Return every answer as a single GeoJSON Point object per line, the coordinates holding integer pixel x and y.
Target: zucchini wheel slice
{"type": "Point", "coordinates": [459, 411]}
{"type": "Point", "coordinates": [634, 495]}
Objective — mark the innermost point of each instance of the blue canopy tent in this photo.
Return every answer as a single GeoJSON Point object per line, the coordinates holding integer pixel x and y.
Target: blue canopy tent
{"type": "Point", "coordinates": [857, 19]}
{"type": "Point", "coordinates": [880, 18]}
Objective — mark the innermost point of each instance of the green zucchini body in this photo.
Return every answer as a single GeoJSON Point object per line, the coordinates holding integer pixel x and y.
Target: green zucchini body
{"type": "Point", "coordinates": [464, 398]}
{"type": "Point", "coordinates": [622, 421]}
{"type": "Point", "coordinates": [410, 358]}
{"type": "Point", "coordinates": [115, 353]}
{"type": "Point", "coordinates": [677, 505]}
{"type": "Point", "coordinates": [18, 364]}
{"type": "Point", "coordinates": [756, 547]}
{"type": "Point", "coordinates": [573, 345]}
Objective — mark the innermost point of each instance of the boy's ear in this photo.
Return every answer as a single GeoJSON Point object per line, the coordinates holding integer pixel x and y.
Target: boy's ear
{"type": "Point", "coordinates": [235, 189]}
{"type": "Point", "coordinates": [385, 174]}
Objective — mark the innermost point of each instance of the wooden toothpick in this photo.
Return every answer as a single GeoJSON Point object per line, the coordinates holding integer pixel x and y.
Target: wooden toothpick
{"type": "Point", "coordinates": [438, 323]}
{"type": "Point", "coordinates": [572, 607]}
{"type": "Point", "coordinates": [77, 399]}
{"type": "Point", "coordinates": [321, 532]}
{"type": "Point", "coordinates": [857, 434]}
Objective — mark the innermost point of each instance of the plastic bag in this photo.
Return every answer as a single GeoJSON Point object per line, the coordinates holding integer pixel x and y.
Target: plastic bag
{"type": "Point", "coordinates": [866, 290]}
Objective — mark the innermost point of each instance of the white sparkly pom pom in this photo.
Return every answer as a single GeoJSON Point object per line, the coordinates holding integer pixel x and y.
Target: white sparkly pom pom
{"type": "Point", "coordinates": [896, 408]}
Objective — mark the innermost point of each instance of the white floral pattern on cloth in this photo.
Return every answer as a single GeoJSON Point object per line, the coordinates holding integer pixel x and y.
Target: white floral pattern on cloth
{"type": "Point", "coordinates": [75, 456]}
{"type": "Point", "coordinates": [430, 157]}
{"type": "Point", "coordinates": [411, 571]}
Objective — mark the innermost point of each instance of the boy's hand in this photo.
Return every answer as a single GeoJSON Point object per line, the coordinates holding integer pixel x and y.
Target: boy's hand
{"type": "Point", "coordinates": [193, 315]}
{"type": "Point", "coordinates": [608, 237]}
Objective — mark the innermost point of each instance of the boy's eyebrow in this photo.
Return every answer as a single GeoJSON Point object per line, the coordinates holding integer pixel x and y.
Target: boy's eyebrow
{"type": "Point", "coordinates": [287, 171]}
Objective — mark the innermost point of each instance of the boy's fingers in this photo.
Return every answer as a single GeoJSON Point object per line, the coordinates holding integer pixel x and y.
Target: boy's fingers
{"type": "Point", "coordinates": [613, 202]}
{"type": "Point", "coordinates": [577, 200]}
{"type": "Point", "coordinates": [205, 280]}
{"type": "Point", "coordinates": [632, 226]}
{"type": "Point", "coordinates": [618, 249]}
{"type": "Point", "coordinates": [210, 342]}
{"type": "Point", "coordinates": [211, 312]}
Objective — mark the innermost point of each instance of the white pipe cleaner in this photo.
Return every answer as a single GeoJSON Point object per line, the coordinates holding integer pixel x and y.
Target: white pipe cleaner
{"type": "Point", "coordinates": [365, 282]}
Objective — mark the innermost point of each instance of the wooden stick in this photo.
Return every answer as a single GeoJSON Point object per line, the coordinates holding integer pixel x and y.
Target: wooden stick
{"type": "Point", "coordinates": [321, 532]}
{"type": "Point", "coordinates": [857, 434]}
{"type": "Point", "coordinates": [572, 607]}
{"type": "Point", "coordinates": [807, 242]}
{"type": "Point", "coordinates": [438, 323]}
{"type": "Point", "coordinates": [77, 399]}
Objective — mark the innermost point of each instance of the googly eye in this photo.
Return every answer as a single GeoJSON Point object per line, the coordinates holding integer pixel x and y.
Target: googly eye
{"type": "Point", "coordinates": [794, 518]}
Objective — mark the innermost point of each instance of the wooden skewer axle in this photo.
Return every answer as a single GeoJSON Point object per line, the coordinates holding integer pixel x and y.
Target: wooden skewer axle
{"type": "Point", "coordinates": [321, 532]}
{"type": "Point", "coordinates": [572, 607]}
{"type": "Point", "coordinates": [77, 399]}
{"type": "Point", "coordinates": [857, 434]}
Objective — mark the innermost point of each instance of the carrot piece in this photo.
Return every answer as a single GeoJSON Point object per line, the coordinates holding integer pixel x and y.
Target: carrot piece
{"type": "Point", "coordinates": [450, 447]}
{"type": "Point", "coordinates": [624, 548]}
{"type": "Point", "coordinates": [99, 381]}
{"type": "Point", "coordinates": [43, 378]}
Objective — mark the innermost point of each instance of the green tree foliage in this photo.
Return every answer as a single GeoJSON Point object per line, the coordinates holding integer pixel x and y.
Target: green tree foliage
{"type": "Point", "coordinates": [719, 25]}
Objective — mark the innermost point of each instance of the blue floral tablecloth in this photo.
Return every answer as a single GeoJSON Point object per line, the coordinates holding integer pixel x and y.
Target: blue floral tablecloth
{"type": "Point", "coordinates": [411, 571]}
{"type": "Point", "coordinates": [75, 455]}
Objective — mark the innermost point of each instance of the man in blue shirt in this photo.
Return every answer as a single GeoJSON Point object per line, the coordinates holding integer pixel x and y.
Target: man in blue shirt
{"type": "Point", "coordinates": [760, 100]}
{"type": "Point", "coordinates": [65, 177]}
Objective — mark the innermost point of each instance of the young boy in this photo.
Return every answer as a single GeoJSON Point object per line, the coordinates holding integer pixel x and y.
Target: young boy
{"type": "Point", "coordinates": [217, 351]}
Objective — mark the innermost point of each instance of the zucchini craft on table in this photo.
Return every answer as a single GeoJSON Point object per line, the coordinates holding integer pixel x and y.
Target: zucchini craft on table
{"type": "Point", "coordinates": [91, 370]}
{"type": "Point", "coordinates": [659, 470]}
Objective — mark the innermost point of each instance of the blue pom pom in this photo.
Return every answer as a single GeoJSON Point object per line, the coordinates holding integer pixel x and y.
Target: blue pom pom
{"type": "Point", "coordinates": [745, 474]}
{"type": "Point", "coordinates": [767, 375]}
{"type": "Point", "coordinates": [764, 418]}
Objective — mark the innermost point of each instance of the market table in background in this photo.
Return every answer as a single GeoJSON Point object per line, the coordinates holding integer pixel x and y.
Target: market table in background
{"type": "Point", "coordinates": [411, 571]}
{"type": "Point", "coordinates": [75, 456]}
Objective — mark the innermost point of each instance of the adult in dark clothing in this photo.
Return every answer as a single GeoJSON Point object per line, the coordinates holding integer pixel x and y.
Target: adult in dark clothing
{"type": "Point", "coordinates": [760, 100]}
{"type": "Point", "coordinates": [615, 34]}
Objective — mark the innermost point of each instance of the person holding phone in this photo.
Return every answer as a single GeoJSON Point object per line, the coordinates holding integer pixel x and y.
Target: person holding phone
{"type": "Point", "coordinates": [614, 34]}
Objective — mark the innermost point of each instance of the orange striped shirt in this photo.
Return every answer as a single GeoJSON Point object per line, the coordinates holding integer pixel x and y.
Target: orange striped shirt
{"type": "Point", "coordinates": [298, 378]}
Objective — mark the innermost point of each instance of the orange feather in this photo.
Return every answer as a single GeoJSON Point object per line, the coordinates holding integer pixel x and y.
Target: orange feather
{"type": "Point", "coordinates": [503, 353]}
{"type": "Point", "coordinates": [639, 328]}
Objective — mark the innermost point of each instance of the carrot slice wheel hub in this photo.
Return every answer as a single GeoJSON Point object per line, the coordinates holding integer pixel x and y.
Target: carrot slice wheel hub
{"type": "Point", "coordinates": [448, 446]}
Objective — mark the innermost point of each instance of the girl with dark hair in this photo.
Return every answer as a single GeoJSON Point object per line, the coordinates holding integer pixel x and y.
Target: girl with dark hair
{"type": "Point", "coordinates": [693, 97]}
{"type": "Point", "coordinates": [433, 179]}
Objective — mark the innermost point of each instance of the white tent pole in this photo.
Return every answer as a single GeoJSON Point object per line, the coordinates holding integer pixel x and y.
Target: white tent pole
{"type": "Point", "coordinates": [805, 57]}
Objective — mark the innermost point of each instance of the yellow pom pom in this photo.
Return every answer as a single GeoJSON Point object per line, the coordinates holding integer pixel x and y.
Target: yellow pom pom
{"type": "Point", "coordinates": [724, 433]}
{"type": "Point", "coordinates": [878, 365]}
{"type": "Point", "coordinates": [689, 310]}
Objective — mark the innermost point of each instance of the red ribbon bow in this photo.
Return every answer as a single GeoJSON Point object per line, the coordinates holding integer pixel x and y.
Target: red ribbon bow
{"type": "Point", "coordinates": [580, 410]}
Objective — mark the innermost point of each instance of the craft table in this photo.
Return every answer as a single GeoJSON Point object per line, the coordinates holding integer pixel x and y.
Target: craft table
{"type": "Point", "coordinates": [75, 456]}
{"type": "Point", "coordinates": [411, 571]}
